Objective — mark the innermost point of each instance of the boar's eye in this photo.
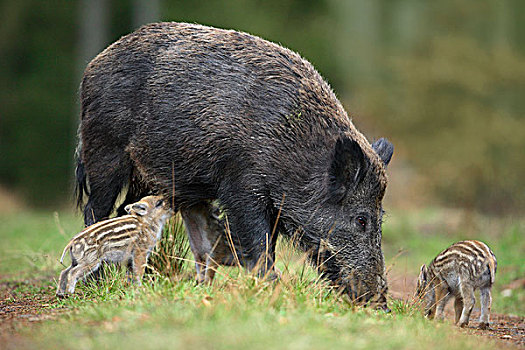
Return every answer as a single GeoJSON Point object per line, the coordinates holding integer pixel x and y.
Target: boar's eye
{"type": "Point", "coordinates": [361, 221]}
{"type": "Point", "coordinates": [159, 203]}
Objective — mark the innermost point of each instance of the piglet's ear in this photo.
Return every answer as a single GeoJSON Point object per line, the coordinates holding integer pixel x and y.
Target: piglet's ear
{"type": "Point", "coordinates": [139, 208]}
{"type": "Point", "coordinates": [127, 208]}
{"type": "Point", "coordinates": [348, 167]}
{"type": "Point", "coordinates": [384, 150]}
{"type": "Point", "coordinates": [423, 273]}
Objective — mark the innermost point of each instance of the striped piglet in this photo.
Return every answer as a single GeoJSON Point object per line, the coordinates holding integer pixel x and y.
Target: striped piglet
{"type": "Point", "coordinates": [126, 239]}
{"type": "Point", "coordinates": [456, 272]}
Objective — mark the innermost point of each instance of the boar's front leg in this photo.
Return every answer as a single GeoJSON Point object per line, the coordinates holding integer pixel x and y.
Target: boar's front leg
{"type": "Point", "coordinates": [100, 203]}
{"type": "Point", "coordinates": [250, 230]}
{"type": "Point", "coordinates": [136, 191]}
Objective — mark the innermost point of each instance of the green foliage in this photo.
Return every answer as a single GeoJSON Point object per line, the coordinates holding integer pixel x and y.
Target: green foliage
{"type": "Point", "coordinates": [32, 242]}
{"type": "Point", "coordinates": [444, 80]}
{"type": "Point", "coordinates": [240, 312]}
{"type": "Point", "coordinates": [237, 312]}
{"type": "Point", "coordinates": [37, 98]}
{"type": "Point", "coordinates": [222, 320]}
{"type": "Point", "coordinates": [461, 121]}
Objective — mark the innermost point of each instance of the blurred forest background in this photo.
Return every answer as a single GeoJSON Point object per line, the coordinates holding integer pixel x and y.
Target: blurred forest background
{"type": "Point", "coordinates": [443, 80]}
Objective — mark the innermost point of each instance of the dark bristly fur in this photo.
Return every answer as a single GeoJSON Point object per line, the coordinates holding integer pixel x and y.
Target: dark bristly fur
{"type": "Point", "coordinates": [201, 114]}
{"type": "Point", "coordinates": [81, 180]}
{"type": "Point", "coordinates": [456, 272]}
{"type": "Point", "coordinates": [129, 239]}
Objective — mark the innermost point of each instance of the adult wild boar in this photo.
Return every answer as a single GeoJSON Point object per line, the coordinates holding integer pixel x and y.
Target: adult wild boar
{"type": "Point", "coordinates": [199, 113]}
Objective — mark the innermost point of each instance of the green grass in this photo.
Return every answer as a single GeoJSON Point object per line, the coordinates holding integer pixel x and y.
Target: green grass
{"type": "Point", "coordinates": [32, 242]}
{"type": "Point", "coordinates": [244, 314]}
{"type": "Point", "coordinates": [239, 310]}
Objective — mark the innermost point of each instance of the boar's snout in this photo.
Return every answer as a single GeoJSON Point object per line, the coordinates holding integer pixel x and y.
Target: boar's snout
{"type": "Point", "coordinates": [368, 291]}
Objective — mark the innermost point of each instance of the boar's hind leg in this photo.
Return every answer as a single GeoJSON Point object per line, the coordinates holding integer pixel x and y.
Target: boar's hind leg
{"type": "Point", "coordinates": [134, 194]}
{"type": "Point", "coordinates": [106, 181]}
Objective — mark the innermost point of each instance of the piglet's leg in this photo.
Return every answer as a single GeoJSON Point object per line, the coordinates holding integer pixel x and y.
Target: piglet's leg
{"type": "Point", "coordinates": [62, 282]}
{"type": "Point", "coordinates": [129, 270]}
{"type": "Point", "coordinates": [486, 301]}
{"type": "Point", "coordinates": [458, 307]}
{"type": "Point", "coordinates": [80, 271]}
{"type": "Point", "coordinates": [442, 298]}
{"type": "Point", "coordinates": [467, 292]}
{"type": "Point", "coordinates": [139, 266]}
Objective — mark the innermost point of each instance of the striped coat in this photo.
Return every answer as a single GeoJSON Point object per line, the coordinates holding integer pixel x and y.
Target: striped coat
{"type": "Point", "coordinates": [456, 272]}
{"type": "Point", "coordinates": [127, 239]}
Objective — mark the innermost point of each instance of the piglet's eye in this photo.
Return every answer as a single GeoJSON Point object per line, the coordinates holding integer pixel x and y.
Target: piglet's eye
{"type": "Point", "coordinates": [159, 203]}
{"type": "Point", "coordinates": [361, 221]}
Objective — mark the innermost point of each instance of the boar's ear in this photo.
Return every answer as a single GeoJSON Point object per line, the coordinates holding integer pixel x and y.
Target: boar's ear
{"type": "Point", "coordinates": [384, 150]}
{"type": "Point", "coordinates": [348, 167]}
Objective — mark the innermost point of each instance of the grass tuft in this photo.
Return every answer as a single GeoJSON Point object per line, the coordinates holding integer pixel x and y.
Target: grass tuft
{"type": "Point", "coordinates": [171, 256]}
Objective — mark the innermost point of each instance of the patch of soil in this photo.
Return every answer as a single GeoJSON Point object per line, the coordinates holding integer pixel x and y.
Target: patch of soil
{"type": "Point", "coordinates": [22, 304]}
{"type": "Point", "coordinates": [504, 327]}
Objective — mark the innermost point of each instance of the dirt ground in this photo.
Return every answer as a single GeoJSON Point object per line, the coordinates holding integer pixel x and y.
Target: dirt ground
{"type": "Point", "coordinates": [20, 308]}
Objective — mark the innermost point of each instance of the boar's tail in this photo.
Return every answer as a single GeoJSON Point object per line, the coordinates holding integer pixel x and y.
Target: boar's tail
{"type": "Point", "coordinates": [81, 187]}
